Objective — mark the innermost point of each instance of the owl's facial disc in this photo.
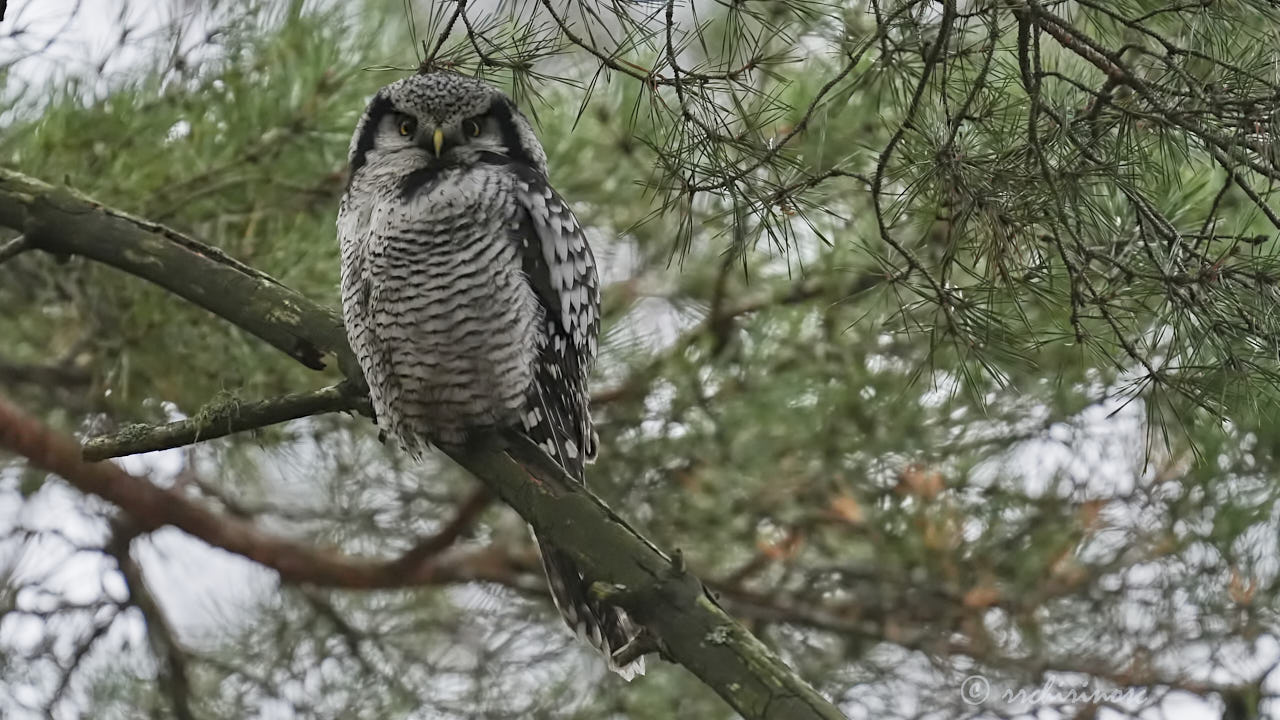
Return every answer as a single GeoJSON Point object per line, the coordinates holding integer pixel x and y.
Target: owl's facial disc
{"type": "Point", "coordinates": [443, 119]}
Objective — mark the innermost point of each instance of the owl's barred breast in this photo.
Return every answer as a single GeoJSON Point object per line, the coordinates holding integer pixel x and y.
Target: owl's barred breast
{"type": "Point", "coordinates": [452, 324]}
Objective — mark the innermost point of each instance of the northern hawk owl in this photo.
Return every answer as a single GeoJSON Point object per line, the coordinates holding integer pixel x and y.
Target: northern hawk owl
{"type": "Point", "coordinates": [470, 295]}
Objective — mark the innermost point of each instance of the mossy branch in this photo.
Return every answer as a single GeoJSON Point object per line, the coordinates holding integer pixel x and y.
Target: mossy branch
{"type": "Point", "coordinates": [220, 418]}
{"type": "Point", "coordinates": [61, 221]}
{"type": "Point", "coordinates": [672, 604]}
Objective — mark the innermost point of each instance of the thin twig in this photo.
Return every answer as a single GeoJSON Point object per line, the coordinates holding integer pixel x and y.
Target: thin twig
{"type": "Point", "coordinates": [14, 248]}
{"type": "Point", "coordinates": [222, 419]}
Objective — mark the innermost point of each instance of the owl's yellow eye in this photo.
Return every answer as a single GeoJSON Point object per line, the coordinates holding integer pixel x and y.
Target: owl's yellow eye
{"type": "Point", "coordinates": [473, 127]}
{"type": "Point", "coordinates": [407, 127]}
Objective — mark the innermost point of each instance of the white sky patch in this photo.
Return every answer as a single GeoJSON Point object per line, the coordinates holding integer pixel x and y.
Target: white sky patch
{"type": "Point", "coordinates": [179, 131]}
{"type": "Point", "coordinates": [202, 589]}
{"type": "Point", "coordinates": [100, 42]}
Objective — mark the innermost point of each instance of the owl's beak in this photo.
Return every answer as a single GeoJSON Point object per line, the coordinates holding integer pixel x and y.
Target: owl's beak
{"type": "Point", "coordinates": [437, 139]}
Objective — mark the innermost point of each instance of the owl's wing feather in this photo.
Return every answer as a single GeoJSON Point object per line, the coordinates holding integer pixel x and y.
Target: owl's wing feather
{"type": "Point", "coordinates": [562, 272]}
{"type": "Point", "coordinates": [361, 306]}
{"type": "Point", "coordinates": [562, 266]}
{"type": "Point", "coordinates": [356, 286]}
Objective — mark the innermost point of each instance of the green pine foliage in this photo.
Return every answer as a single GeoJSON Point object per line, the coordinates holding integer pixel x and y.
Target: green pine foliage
{"type": "Point", "coordinates": [933, 349]}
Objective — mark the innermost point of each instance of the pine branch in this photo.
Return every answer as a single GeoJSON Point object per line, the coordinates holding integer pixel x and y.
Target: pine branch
{"type": "Point", "coordinates": [219, 419]}
{"type": "Point", "coordinates": [63, 222]}
{"type": "Point", "coordinates": [671, 603]}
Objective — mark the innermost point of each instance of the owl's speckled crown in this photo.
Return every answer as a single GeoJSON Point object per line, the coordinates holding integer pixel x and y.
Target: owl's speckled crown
{"type": "Point", "coordinates": [442, 96]}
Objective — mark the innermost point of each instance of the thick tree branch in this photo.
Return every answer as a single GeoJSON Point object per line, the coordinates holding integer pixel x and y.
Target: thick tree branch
{"type": "Point", "coordinates": [671, 603]}
{"type": "Point", "coordinates": [61, 221]}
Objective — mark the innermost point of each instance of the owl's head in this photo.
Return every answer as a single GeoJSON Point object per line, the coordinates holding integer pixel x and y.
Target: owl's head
{"type": "Point", "coordinates": [441, 119]}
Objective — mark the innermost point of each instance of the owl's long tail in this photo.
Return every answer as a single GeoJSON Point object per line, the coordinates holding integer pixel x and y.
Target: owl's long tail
{"type": "Point", "coordinates": [607, 627]}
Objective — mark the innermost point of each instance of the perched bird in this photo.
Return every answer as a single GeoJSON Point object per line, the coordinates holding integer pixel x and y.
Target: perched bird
{"type": "Point", "coordinates": [470, 295]}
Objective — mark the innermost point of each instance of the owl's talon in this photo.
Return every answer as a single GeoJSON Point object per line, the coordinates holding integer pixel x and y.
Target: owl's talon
{"type": "Point", "coordinates": [642, 644]}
